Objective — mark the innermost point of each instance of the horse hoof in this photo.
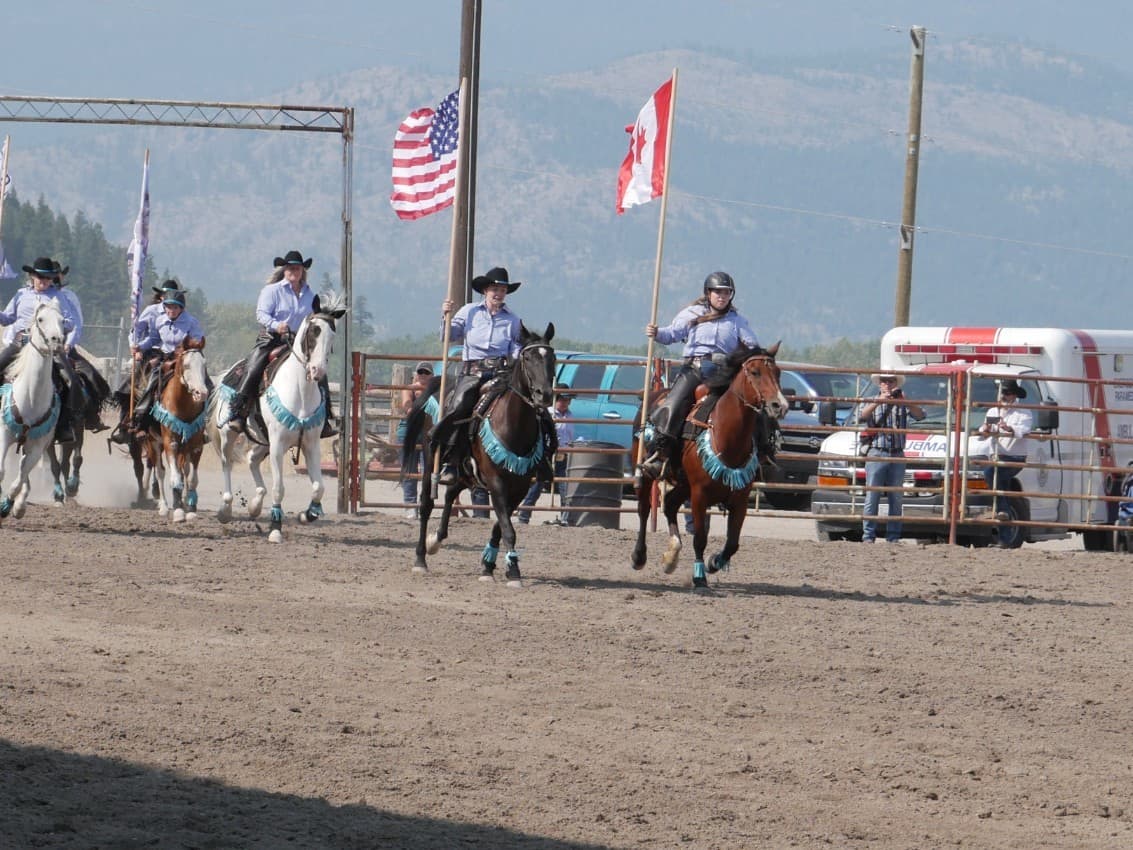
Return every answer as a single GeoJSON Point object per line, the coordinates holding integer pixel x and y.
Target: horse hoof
{"type": "Point", "coordinates": [432, 544]}
{"type": "Point", "coordinates": [178, 515]}
{"type": "Point", "coordinates": [420, 569]}
{"type": "Point", "coordinates": [276, 536]}
{"type": "Point", "coordinates": [515, 582]}
{"type": "Point", "coordinates": [191, 515]}
{"type": "Point", "coordinates": [487, 577]}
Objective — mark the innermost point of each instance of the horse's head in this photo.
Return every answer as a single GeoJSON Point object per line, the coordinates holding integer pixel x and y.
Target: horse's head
{"type": "Point", "coordinates": [314, 340]}
{"type": "Point", "coordinates": [534, 373]}
{"type": "Point", "coordinates": [47, 333]}
{"type": "Point", "coordinates": [757, 379]}
{"type": "Point", "coordinates": [191, 365]}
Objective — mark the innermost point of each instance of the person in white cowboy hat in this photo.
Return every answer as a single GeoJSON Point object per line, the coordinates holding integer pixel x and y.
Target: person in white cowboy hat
{"type": "Point", "coordinates": [490, 332]}
{"type": "Point", "coordinates": [283, 304]}
{"type": "Point", "coordinates": [94, 384]}
{"type": "Point", "coordinates": [888, 413]}
{"type": "Point", "coordinates": [1005, 428]}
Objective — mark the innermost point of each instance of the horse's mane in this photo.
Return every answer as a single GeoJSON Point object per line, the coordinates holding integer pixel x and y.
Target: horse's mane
{"type": "Point", "coordinates": [19, 364]}
{"type": "Point", "coordinates": [722, 377]}
{"type": "Point", "coordinates": [331, 302]}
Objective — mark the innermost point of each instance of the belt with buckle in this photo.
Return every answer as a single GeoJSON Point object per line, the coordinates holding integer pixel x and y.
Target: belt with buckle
{"type": "Point", "coordinates": [488, 364]}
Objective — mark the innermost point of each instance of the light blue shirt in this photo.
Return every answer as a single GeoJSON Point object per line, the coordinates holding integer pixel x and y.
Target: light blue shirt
{"type": "Point", "coordinates": [167, 333]}
{"type": "Point", "coordinates": [483, 334]}
{"type": "Point", "coordinates": [279, 303]}
{"type": "Point", "coordinates": [143, 325]}
{"type": "Point", "coordinates": [719, 336]}
{"type": "Point", "coordinates": [18, 314]}
{"type": "Point", "coordinates": [564, 428]}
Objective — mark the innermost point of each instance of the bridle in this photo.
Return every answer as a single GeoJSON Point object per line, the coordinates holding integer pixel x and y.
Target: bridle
{"type": "Point", "coordinates": [47, 350]}
{"type": "Point", "coordinates": [522, 368]}
{"type": "Point", "coordinates": [302, 352]}
{"type": "Point", "coordinates": [760, 405]}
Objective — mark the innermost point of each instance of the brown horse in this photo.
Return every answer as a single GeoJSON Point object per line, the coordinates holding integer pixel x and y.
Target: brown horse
{"type": "Point", "coordinates": [720, 463]}
{"type": "Point", "coordinates": [179, 436]}
{"type": "Point", "coordinates": [507, 444]}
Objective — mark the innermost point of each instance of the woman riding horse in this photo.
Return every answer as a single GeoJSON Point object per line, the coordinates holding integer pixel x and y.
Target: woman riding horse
{"type": "Point", "coordinates": [711, 328]}
{"type": "Point", "coordinates": [733, 426]}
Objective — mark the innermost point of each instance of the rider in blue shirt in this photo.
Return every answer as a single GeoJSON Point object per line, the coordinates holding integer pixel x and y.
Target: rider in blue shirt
{"type": "Point", "coordinates": [490, 333]}
{"type": "Point", "coordinates": [140, 331]}
{"type": "Point", "coordinates": [43, 286]}
{"type": "Point", "coordinates": [165, 333]}
{"type": "Point", "coordinates": [711, 329]}
{"type": "Point", "coordinates": [283, 304]}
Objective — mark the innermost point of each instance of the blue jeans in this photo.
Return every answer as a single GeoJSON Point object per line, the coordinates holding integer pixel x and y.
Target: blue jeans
{"type": "Point", "coordinates": [1003, 476]}
{"type": "Point", "coordinates": [409, 485]}
{"type": "Point", "coordinates": [883, 474]}
{"type": "Point", "coordinates": [537, 487]}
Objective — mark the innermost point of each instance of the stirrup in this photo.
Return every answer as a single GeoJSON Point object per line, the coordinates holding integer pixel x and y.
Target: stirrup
{"type": "Point", "coordinates": [120, 434]}
{"type": "Point", "coordinates": [654, 465]}
{"type": "Point", "coordinates": [328, 430]}
{"type": "Point", "coordinates": [449, 474]}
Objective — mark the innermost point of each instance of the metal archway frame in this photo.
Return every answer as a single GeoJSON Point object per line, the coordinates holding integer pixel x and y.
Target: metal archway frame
{"type": "Point", "coordinates": [227, 116]}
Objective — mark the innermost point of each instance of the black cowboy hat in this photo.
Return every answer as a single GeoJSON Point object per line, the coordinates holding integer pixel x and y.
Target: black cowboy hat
{"type": "Point", "coordinates": [1012, 386]}
{"type": "Point", "coordinates": [60, 272]}
{"type": "Point", "coordinates": [495, 275]}
{"type": "Point", "coordinates": [168, 286]}
{"type": "Point", "coordinates": [293, 258]}
{"type": "Point", "coordinates": [44, 267]}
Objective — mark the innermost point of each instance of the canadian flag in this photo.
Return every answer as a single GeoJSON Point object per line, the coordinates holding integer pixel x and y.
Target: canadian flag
{"type": "Point", "coordinates": [642, 175]}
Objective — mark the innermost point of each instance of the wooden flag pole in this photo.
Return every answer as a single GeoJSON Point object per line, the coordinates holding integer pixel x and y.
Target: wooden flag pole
{"type": "Point", "coordinates": [657, 269]}
{"type": "Point", "coordinates": [456, 270]}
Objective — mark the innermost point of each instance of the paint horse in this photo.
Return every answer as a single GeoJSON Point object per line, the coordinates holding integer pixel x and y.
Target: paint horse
{"type": "Point", "coordinates": [507, 446]}
{"type": "Point", "coordinates": [29, 405]}
{"type": "Point", "coordinates": [718, 462]}
{"type": "Point", "coordinates": [291, 411]}
{"type": "Point", "coordinates": [178, 433]}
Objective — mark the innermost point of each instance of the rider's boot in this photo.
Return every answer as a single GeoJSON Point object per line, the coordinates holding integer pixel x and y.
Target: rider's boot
{"type": "Point", "coordinates": [654, 465]}
{"type": "Point", "coordinates": [94, 422]}
{"type": "Point", "coordinates": [64, 431]}
{"type": "Point", "coordinates": [329, 429]}
{"type": "Point", "coordinates": [120, 434]}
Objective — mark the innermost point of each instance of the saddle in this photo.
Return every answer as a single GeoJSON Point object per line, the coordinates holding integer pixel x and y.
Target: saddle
{"type": "Point", "coordinates": [275, 359]}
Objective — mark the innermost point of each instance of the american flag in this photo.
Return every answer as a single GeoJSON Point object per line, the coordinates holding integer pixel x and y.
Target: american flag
{"type": "Point", "coordinates": [424, 160]}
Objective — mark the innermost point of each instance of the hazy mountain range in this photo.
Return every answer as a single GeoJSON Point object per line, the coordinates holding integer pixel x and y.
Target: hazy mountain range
{"type": "Point", "coordinates": [786, 173]}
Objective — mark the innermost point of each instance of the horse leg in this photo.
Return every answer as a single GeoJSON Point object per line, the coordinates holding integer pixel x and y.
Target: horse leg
{"type": "Point", "coordinates": [192, 465]}
{"type": "Point", "coordinates": [425, 503]}
{"type": "Point", "coordinates": [644, 504]}
{"type": "Point", "coordinates": [737, 513]}
{"type": "Point", "coordinates": [672, 505]}
{"type": "Point", "coordinates": [275, 458]}
{"type": "Point", "coordinates": [225, 438]}
{"type": "Point", "coordinates": [33, 449]}
{"type": "Point", "coordinates": [162, 485]}
{"type": "Point", "coordinates": [174, 460]}
{"type": "Point", "coordinates": [434, 541]}
{"type": "Point", "coordinates": [139, 472]}
{"type": "Point", "coordinates": [72, 463]}
{"type": "Point", "coordinates": [505, 529]}
{"type": "Point", "coordinates": [313, 453]}
{"type": "Point", "coordinates": [56, 473]}
{"type": "Point", "coordinates": [699, 538]}
{"type": "Point", "coordinates": [255, 460]}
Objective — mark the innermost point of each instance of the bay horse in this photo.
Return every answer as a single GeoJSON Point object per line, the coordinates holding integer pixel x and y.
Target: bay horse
{"type": "Point", "coordinates": [291, 414]}
{"type": "Point", "coordinates": [720, 463]}
{"type": "Point", "coordinates": [507, 446]}
{"type": "Point", "coordinates": [178, 435]}
{"type": "Point", "coordinates": [29, 405]}
{"type": "Point", "coordinates": [66, 459]}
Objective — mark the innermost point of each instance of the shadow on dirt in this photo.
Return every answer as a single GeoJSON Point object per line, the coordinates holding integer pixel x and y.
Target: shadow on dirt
{"type": "Point", "coordinates": [62, 800]}
{"type": "Point", "coordinates": [727, 587]}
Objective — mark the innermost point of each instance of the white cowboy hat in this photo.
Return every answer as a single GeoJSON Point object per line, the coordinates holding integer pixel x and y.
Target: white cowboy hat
{"type": "Point", "coordinates": [877, 376]}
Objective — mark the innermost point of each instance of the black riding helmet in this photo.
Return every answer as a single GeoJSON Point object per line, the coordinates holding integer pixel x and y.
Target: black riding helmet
{"type": "Point", "coordinates": [719, 280]}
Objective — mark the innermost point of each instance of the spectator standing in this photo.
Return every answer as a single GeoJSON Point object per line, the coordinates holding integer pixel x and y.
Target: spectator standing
{"type": "Point", "coordinates": [889, 413]}
{"type": "Point", "coordinates": [422, 374]}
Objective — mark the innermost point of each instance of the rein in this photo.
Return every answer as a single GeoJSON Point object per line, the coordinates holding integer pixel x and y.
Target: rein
{"type": "Point", "coordinates": [761, 405]}
{"type": "Point", "coordinates": [522, 367]}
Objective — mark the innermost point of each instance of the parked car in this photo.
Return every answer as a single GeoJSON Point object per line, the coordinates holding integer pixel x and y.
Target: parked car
{"type": "Point", "coordinates": [607, 388]}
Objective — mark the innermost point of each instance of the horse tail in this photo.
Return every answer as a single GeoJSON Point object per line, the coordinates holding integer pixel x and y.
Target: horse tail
{"type": "Point", "coordinates": [415, 426]}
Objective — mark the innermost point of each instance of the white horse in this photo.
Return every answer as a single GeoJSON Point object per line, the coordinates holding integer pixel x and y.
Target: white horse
{"type": "Point", "coordinates": [29, 407]}
{"type": "Point", "coordinates": [293, 411]}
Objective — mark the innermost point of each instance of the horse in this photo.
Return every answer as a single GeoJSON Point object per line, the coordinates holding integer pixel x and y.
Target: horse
{"type": "Point", "coordinates": [721, 462]}
{"type": "Point", "coordinates": [292, 411]}
{"type": "Point", "coordinates": [29, 405]}
{"type": "Point", "coordinates": [507, 446]}
{"type": "Point", "coordinates": [178, 435]}
{"type": "Point", "coordinates": [66, 459]}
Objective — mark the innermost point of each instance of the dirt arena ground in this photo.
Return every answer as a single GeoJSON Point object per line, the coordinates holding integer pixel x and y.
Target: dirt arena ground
{"type": "Point", "coordinates": [195, 687]}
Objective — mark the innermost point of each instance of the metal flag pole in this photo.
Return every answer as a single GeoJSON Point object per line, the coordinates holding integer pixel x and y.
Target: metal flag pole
{"type": "Point", "coordinates": [135, 272]}
{"type": "Point", "coordinates": [456, 270]}
{"type": "Point", "coordinates": [657, 270]}
{"type": "Point", "coordinates": [4, 181]}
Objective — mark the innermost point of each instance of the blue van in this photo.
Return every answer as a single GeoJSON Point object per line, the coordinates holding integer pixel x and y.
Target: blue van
{"type": "Point", "coordinates": [607, 388]}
